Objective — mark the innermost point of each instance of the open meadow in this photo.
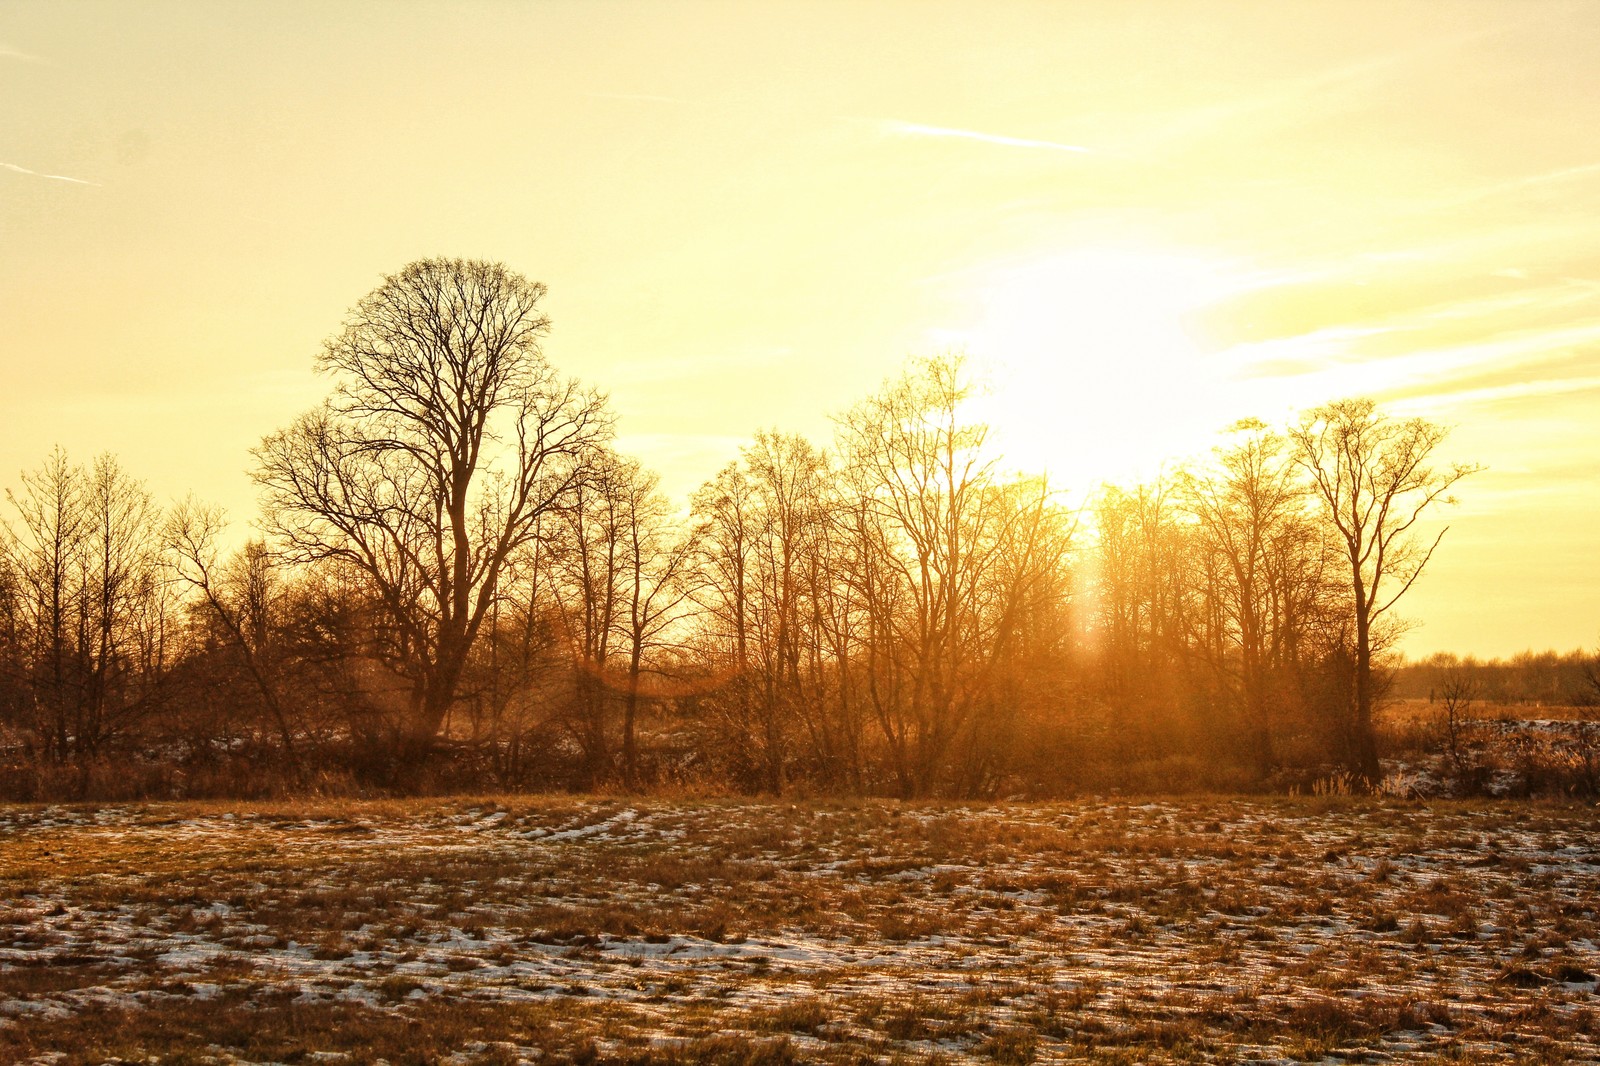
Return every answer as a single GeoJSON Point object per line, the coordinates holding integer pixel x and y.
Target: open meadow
{"type": "Point", "coordinates": [564, 930]}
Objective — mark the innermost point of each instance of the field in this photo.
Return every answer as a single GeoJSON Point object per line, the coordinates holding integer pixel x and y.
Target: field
{"type": "Point", "coordinates": [563, 930]}
{"type": "Point", "coordinates": [1402, 711]}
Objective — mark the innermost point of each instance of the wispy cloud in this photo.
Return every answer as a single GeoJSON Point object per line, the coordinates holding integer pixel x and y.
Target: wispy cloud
{"type": "Point", "coordinates": [642, 98]}
{"type": "Point", "coordinates": [7, 52]}
{"type": "Point", "coordinates": [678, 368]}
{"type": "Point", "coordinates": [53, 177]}
{"type": "Point", "coordinates": [917, 129]}
{"type": "Point", "coordinates": [1522, 184]}
{"type": "Point", "coordinates": [1333, 362]}
{"type": "Point", "coordinates": [1424, 398]}
{"type": "Point", "coordinates": [1298, 355]}
{"type": "Point", "coordinates": [1299, 101]}
{"type": "Point", "coordinates": [1559, 295]}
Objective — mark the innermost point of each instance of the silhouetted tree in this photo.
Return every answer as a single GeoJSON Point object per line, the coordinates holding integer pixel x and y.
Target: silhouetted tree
{"type": "Point", "coordinates": [1249, 510]}
{"type": "Point", "coordinates": [586, 580]}
{"type": "Point", "coordinates": [1591, 674]}
{"type": "Point", "coordinates": [936, 523]}
{"type": "Point", "coordinates": [785, 472]}
{"type": "Point", "coordinates": [446, 440]}
{"type": "Point", "coordinates": [239, 595]}
{"type": "Point", "coordinates": [657, 580]}
{"type": "Point", "coordinates": [725, 521]}
{"type": "Point", "coordinates": [1457, 693]}
{"type": "Point", "coordinates": [48, 549]}
{"type": "Point", "coordinates": [1144, 589]}
{"type": "Point", "coordinates": [1371, 475]}
{"type": "Point", "coordinates": [92, 605]}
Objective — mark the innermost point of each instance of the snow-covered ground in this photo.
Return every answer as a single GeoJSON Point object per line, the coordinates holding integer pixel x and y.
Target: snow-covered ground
{"type": "Point", "coordinates": [556, 930]}
{"type": "Point", "coordinates": [1503, 757]}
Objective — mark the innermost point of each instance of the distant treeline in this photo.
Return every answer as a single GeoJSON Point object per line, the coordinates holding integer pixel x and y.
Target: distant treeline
{"type": "Point", "coordinates": [1535, 679]}
{"type": "Point", "coordinates": [458, 583]}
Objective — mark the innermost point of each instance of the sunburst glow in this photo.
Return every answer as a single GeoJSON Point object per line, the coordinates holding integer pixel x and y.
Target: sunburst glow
{"type": "Point", "coordinates": [1097, 364]}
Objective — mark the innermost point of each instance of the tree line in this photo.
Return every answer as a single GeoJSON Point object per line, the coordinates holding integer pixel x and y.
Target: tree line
{"type": "Point", "coordinates": [1530, 679]}
{"type": "Point", "coordinates": [457, 581]}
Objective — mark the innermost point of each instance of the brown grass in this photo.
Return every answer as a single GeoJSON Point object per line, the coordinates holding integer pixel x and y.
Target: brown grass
{"type": "Point", "coordinates": [567, 930]}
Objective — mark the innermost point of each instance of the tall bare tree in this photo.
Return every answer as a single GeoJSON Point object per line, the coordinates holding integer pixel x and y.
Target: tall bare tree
{"type": "Point", "coordinates": [446, 439]}
{"type": "Point", "coordinates": [238, 594]}
{"type": "Point", "coordinates": [937, 525]}
{"type": "Point", "coordinates": [49, 552]}
{"type": "Point", "coordinates": [1249, 509]}
{"type": "Point", "coordinates": [1372, 477]}
{"type": "Point", "coordinates": [726, 521]}
{"type": "Point", "coordinates": [724, 512]}
{"type": "Point", "coordinates": [1144, 610]}
{"type": "Point", "coordinates": [94, 605]}
{"type": "Point", "coordinates": [125, 603]}
{"type": "Point", "coordinates": [12, 704]}
{"type": "Point", "coordinates": [786, 472]}
{"type": "Point", "coordinates": [657, 568]}
{"type": "Point", "coordinates": [586, 579]}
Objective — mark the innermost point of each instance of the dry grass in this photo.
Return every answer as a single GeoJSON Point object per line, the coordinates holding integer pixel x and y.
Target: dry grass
{"type": "Point", "coordinates": [562, 930]}
{"type": "Point", "coordinates": [1405, 711]}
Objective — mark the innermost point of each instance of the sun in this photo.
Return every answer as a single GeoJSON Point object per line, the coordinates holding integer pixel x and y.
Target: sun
{"type": "Point", "coordinates": [1096, 365]}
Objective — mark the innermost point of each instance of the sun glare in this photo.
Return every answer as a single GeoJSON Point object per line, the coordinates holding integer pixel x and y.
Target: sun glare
{"type": "Point", "coordinates": [1096, 368]}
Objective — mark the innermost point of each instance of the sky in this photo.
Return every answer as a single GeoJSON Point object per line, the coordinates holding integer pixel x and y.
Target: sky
{"type": "Point", "coordinates": [1141, 221]}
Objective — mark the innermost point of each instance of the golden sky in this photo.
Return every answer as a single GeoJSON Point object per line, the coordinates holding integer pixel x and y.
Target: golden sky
{"type": "Point", "coordinates": [1146, 220]}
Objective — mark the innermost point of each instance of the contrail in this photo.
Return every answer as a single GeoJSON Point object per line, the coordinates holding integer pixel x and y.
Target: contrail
{"type": "Point", "coordinates": [7, 52]}
{"type": "Point", "coordinates": [52, 177]}
{"type": "Point", "coordinates": [914, 129]}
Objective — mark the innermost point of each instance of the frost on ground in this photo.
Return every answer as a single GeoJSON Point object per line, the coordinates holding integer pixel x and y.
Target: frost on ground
{"type": "Point", "coordinates": [540, 930]}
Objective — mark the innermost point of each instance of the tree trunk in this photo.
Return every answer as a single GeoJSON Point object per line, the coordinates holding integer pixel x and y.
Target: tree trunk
{"type": "Point", "coordinates": [1364, 742]}
{"type": "Point", "coordinates": [630, 709]}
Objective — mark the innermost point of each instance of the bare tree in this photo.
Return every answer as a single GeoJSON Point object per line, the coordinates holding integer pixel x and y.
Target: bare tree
{"type": "Point", "coordinates": [1458, 691]}
{"type": "Point", "coordinates": [838, 622]}
{"type": "Point", "coordinates": [619, 579]}
{"type": "Point", "coordinates": [725, 518]}
{"type": "Point", "coordinates": [587, 587]}
{"type": "Point", "coordinates": [93, 603]}
{"type": "Point", "coordinates": [1591, 675]}
{"type": "Point", "coordinates": [657, 569]}
{"type": "Point", "coordinates": [49, 551]}
{"type": "Point", "coordinates": [238, 595]}
{"type": "Point", "coordinates": [125, 605]}
{"type": "Point", "coordinates": [1018, 627]}
{"type": "Point", "coordinates": [724, 523]}
{"type": "Point", "coordinates": [1372, 476]}
{"type": "Point", "coordinates": [937, 524]}
{"type": "Point", "coordinates": [447, 438]}
{"type": "Point", "coordinates": [1248, 509]}
{"type": "Point", "coordinates": [13, 722]}
{"type": "Point", "coordinates": [785, 472]}
{"type": "Point", "coordinates": [1143, 597]}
